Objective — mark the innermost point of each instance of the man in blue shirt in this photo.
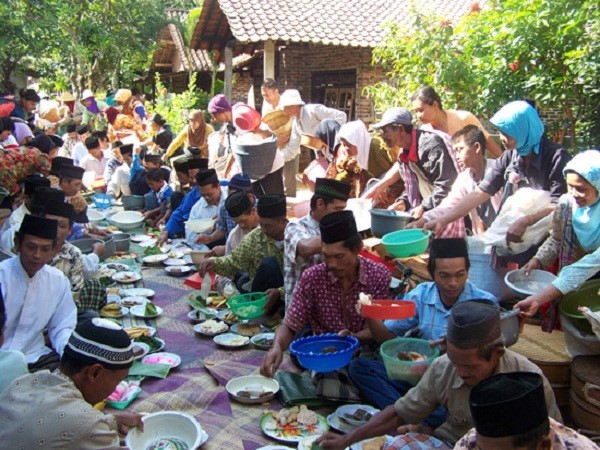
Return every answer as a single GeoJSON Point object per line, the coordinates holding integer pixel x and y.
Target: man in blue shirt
{"type": "Point", "coordinates": [449, 267]}
{"type": "Point", "coordinates": [175, 225]}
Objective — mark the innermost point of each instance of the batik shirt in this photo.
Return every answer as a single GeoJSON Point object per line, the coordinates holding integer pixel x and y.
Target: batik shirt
{"type": "Point", "coordinates": [70, 262]}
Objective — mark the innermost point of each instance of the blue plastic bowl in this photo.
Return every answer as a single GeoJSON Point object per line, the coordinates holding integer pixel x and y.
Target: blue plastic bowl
{"type": "Point", "coordinates": [308, 350]}
{"type": "Point", "coordinates": [102, 201]}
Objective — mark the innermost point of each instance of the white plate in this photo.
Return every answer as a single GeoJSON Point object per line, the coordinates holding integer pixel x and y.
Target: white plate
{"type": "Point", "coordinates": [148, 243]}
{"type": "Point", "coordinates": [176, 358]}
{"type": "Point", "coordinates": [126, 277]}
{"type": "Point", "coordinates": [278, 434]}
{"type": "Point", "coordinates": [257, 384]}
{"type": "Point", "coordinates": [359, 445]}
{"type": "Point", "coordinates": [115, 266]}
{"type": "Point", "coordinates": [221, 313]}
{"type": "Point", "coordinates": [152, 330]}
{"type": "Point", "coordinates": [231, 340]}
{"type": "Point", "coordinates": [199, 316]}
{"type": "Point", "coordinates": [178, 271]}
{"type": "Point", "coordinates": [307, 442]}
{"type": "Point", "coordinates": [175, 254]}
{"type": "Point", "coordinates": [154, 259]}
{"type": "Point", "coordinates": [137, 292]}
{"type": "Point", "coordinates": [140, 310]}
{"type": "Point", "coordinates": [336, 423]}
{"type": "Point", "coordinates": [162, 345]}
{"type": "Point", "coordinates": [113, 298]}
{"type": "Point", "coordinates": [145, 349]}
{"type": "Point", "coordinates": [198, 329]}
{"type": "Point", "coordinates": [133, 301]}
{"type": "Point", "coordinates": [344, 410]}
{"type": "Point", "coordinates": [123, 312]}
{"type": "Point", "coordinates": [257, 337]}
{"type": "Point", "coordinates": [140, 237]}
{"type": "Point", "coordinates": [275, 447]}
{"type": "Point", "coordinates": [235, 328]}
{"type": "Point", "coordinates": [174, 262]}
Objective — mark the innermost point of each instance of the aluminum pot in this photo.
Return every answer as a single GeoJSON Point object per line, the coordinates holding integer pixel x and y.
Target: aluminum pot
{"type": "Point", "coordinates": [122, 241]}
{"type": "Point", "coordinates": [509, 322]}
{"type": "Point", "coordinates": [384, 221]}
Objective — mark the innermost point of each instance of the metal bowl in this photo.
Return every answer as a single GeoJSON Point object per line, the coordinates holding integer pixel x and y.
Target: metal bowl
{"type": "Point", "coordinates": [132, 202]}
{"type": "Point", "coordinates": [384, 221]}
{"type": "Point", "coordinates": [509, 321]}
{"type": "Point", "coordinates": [523, 286]}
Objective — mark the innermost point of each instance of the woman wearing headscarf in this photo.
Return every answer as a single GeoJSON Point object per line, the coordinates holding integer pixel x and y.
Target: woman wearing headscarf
{"type": "Point", "coordinates": [194, 134]}
{"type": "Point", "coordinates": [530, 160]}
{"type": "Point", "coordinates": [351, 160]}
{"type": "Point", "coordinates": [92, 116]}
{"type": "Point", "coordinates": [324, 145]}
{"type": "Point", "coordinates": [574, 241]}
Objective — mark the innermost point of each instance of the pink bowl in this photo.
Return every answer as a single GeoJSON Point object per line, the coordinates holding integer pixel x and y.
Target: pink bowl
{"type": "Point", "coordinates": [245, 117]}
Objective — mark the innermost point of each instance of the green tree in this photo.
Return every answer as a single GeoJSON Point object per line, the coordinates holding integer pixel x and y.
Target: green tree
{"type": "Point", "coordinates": [543, 50]}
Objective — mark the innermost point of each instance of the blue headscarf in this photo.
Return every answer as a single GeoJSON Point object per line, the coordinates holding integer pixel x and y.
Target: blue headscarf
{"type": "Point", "coordinates": [520, 121]}
{"type": "Point", "coordinates": [586, 219]}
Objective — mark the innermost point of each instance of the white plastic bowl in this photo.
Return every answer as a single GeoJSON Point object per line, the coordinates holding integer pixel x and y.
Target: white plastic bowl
{"type": "Point", "coordinates": [200, 225]}
{"type": "Point", "coordinates": [95, 216]}
{"type": "Point", "coordinates": [166, 424]}
{"type": "Point", "coordinates": [128, 220]}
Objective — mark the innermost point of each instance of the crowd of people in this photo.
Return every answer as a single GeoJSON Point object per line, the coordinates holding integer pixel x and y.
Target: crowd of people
{"type": "Point", "coordinates": [449, 174]}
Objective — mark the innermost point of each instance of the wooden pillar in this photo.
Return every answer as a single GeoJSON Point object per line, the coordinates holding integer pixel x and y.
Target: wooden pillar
{"type": "Point", "coordinates": [269, 59]}
{"type": "Point", "coordinates": [229, 72]}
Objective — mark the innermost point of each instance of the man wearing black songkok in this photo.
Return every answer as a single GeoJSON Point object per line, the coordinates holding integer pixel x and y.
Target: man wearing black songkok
{"type": "Point", "coordinates": [510, 413]}
{"type": "Point", "coordinates": [57, 408]}
{"type": "Point", "coordinates": [260, 253]}
{"type": "Point", "coordinates": [325, 298]}
{"type": "Point", "coordinates": [36, 296]}
{"type": "Point", "coordinates": [449, 267]}
{"type": "Point", "coordinates": [303, 237]}
{"type": "Point", "coordinates": [475, 352]}
{"type": "Point", "coordinates": [213, 198]}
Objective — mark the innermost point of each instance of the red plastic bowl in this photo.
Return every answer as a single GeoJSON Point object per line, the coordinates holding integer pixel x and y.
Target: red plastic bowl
{"type": "Point", "coordinates": [245, 117]}
{"type": "Point", "coordinates": [388, 309]}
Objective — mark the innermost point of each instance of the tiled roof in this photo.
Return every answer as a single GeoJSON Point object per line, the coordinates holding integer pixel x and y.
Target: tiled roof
{"type": "Point", "coordinates": [356, 23]}
{"type": "Point", "coordinates": [171, 44]}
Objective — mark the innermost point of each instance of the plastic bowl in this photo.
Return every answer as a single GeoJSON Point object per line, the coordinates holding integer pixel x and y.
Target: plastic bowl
{"type": "Point", "coordinates": [524, 286]}
{"type": "Point", "coordinates": [408, 371]}
{"type": "Point", "coordinates": [133, 202]}
{"type": "Point", "coordinates": [245, 117]}
{"type": "Point", "coordinates": [198, 256]}
{"type": "Point", "coordinates": [405, 243]}
{"type": "Point", "coordinates": [102, 201]}
{"type": "Point", "coordinates": [248, 306]}
{"type": "Point", "coordinates": [388, 309]}
{"type": "Point", "coordinates": [384, 221]}
{"type": "Point", "coordinates": [128, 220]}
{"type": "Point", "coordinates": [309, 351]}
{"type": "Point", "coordinates": [95, 216]}
{"type": "Point", "coordinates": [586, 295]}
{"type": "Point", "coordinates": [167, 424]}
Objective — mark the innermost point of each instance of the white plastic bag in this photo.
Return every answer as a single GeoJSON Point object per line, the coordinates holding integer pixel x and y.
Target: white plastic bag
{"type": "Point", "coordinates": [523, 202]}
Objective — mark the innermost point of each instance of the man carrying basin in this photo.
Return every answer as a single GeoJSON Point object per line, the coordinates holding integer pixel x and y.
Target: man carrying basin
{"type": "Point", "coordinates": [326, 294]}
{"type": "Point", "coordinates": [475, 352]}
{"type": "Point", "coordinates": [449, 267]}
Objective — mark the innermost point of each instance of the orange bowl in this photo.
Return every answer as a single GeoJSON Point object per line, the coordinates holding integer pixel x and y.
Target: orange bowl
{"type": "Point", "coordinates": [388, 309]}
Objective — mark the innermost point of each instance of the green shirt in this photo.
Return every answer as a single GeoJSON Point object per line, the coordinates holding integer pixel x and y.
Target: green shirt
{"type": "Point", "coordinates": [248, 255]}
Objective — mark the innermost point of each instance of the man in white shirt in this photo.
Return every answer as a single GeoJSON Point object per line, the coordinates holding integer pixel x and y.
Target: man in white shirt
{"type": "Point", "coordinates": [79, 149]}
{"type": "Point", "coordinates": [70, 139]}
{"type": "Point", "coordinates": [213, 197]}
{"type": "Point", "coordinates": [305, 118]}
{"type": "Point", "coordinates": [36, 296]}
{"type": "Point", "coordinates": [118, 184]}
{"type": "Point", "coordinates": [30, 185]}
{"type": "Point", "coordinates": [469, 144]}
{"type": "Point", "coordinates": [94, 161]}
{"type": "Point", "coordinates": [270, 94]}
